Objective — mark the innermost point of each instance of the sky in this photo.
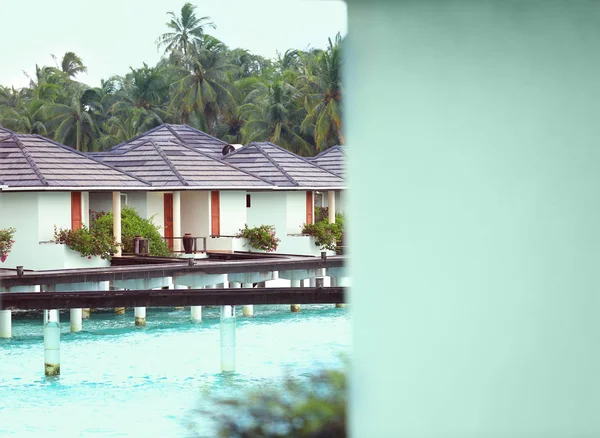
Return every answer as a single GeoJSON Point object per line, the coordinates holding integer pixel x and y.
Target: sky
{"type": "Point", "coordinates": [113, 35]}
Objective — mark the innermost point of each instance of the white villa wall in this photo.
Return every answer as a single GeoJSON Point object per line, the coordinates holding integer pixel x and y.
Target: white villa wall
{"type": "Point", "coordinates": [233, 212]}
{"type": "Point", "coordinates": [139, 201]}
{"type": "Point", "coordinates": [54, 209]}
{"type": "Point", "coordinates": [156, 209]}
{"type": "Point", "coordinates": [268, 208]}
{"type": "Point", "coordinates": [34, 216]}
{"type": "Point", "coordinates": [295, 211]}
{"type": "Point", "coordinates": [101, 201]}
{"type": "Point", "coordinates": [340, 202]}
{"type": "Point", "coordinates": [195, 213]}
{"type": "Point", "coordinates": [85, 208]}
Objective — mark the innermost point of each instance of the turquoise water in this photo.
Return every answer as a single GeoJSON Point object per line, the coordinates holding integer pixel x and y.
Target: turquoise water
{"type": "Point", "coordinates": [121, 380]}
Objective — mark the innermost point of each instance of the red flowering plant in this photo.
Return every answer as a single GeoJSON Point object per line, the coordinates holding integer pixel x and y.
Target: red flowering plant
{"type": "Point", "coordinates": [261, 238]}
{"type": "Point", "coordinates": [6, 242]}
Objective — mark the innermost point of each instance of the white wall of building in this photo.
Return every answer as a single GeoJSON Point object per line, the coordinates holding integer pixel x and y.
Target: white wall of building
{"type": "Point", "coordinates": [268, 208]}
{"type": "Point", "coordinates": [34, 215]}
{"type": "Point", "coordinates": [100, 202]}
{"type": "Point", "coordinates": [295, 212]}
{"type": "Point", "coordinates": [156, 209]}
{"type": "Point", "coordinates": [139, 201]}
{"type": "Point", "coordinates": [233, 212]}
{"type": "Point", "coordinates": [195, 213]}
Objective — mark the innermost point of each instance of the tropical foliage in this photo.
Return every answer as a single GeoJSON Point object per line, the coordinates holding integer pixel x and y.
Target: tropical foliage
{"type": "Point", "coordinates": [293, 101]}
{"type": "Point", "coordinates": [88, 242]}
{"type": "Point", "coordinates": [327, 236]}
{"type": "Point", "coordinates": [262, 238]}
{"type": "Point", "coordinates": [6, 242]}
{"type": "Point", "coordinates": [313, 407]}
{"type": "Point", "coordinates": [132, 225]}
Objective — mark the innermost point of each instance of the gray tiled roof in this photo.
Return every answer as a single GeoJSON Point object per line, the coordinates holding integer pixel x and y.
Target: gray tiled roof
{"type": "Point", "coordinates": [332, 159]}
{"type": "Point", "coordinates": [282, 167]}
{"type": "Point", "coordinates": [182, 133]}
{"type": "Point", "coordinates": [164, 161]}
{"type": "Point", "coordinates": [31, 161]}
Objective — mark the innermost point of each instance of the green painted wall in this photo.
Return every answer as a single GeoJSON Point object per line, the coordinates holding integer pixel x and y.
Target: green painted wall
{"type": "Point", "coordinates": [474, 154]}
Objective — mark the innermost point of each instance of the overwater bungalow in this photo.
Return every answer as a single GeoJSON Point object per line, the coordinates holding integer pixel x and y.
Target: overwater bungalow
{"type": "Point", "coordinates": [186, 181]}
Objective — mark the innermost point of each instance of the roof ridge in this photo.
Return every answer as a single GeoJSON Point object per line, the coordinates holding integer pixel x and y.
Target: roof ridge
{"type": "Point", "coordinates": [30, 160]}
{"type": "Point", "coordinates": [281, 169]}
{"type": "Point", "coordinates": [193, 149]}
{"type": "Point", "coordinates": [156, 128]}
{"type": "Point", "coordinates": [299, 157]}
{"type": "Point", "coordinates": [336, 147]}
{"type": "Point", "coordinates": [177, 136]}
{"type": "Point", "coordinates": [84, 155]}
{"type": "Point", "coordinates": [169, 163]}
{"type": "Point", "coordinates": [202, 132]}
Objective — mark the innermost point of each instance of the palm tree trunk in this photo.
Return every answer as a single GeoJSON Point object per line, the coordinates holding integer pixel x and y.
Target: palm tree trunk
{"type": "Point", "coordinates": [77, 140]}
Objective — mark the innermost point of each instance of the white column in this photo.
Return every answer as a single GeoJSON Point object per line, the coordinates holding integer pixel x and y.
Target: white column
{"type": "Point", "coordinates": [140, 316]}
{"type": "Point", "coordinates": [5, 324]}
{"type": "Point", "coordinates": [177, 243]}
{"type": "Point", "coordinates": [295, 283]}
{"type": "Point", "coordinates": [85, 314]}
{"type": "Point", "coordinates": [76, 320]}
{"type": "Point", "coordinates": [331, 206]}
{"type": "Point", "coordinates": [117, 219]}
{"type": "Point", "coordinates": [248, 309]}
{"type": "Point", "coordinates": [196, 312]}
{"type": "Point", "coordinates": [227, 327]}
{"type": "Point", "coordinates": [51, 343]}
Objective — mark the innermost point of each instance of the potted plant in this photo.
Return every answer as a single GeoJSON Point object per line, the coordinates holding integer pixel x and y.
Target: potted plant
{"type": "Point", "coordinates": [6, 242]}
{"type": "Point", "coordinates": [262, 238]}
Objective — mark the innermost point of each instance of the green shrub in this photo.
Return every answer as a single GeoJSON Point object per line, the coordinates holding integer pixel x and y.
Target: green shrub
{"type": "Point", "coordinates": [327, 236]}
{"type": "Point", "coordinates": [261, 238]}
{"type": "Point", "coordinates": [6, 242]}
{"type": "Point", "coordinates": [132, 224]}
{"type": "Point", "coordinates": [88, 242]}
{"type": "Point", "coordinates": [315, 408]}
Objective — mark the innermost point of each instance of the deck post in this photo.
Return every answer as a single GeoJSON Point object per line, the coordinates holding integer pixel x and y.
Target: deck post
{"type": "Point", "coordinates": [227, 328]}
{"type": "Point", "coordinates": [140, 316]}
{"type": "Point", "coordinates": [248, 309]}
{"type": "Point", "coordinates": [85, 313]}
{"type": "Point", "coordinates": [295, 283]}
{"type": "Point", "coordinates": [76, 320]}
{"type": "Point", "coordinates": [51, 343]}
{"type": "Point", "coordinates": [117, 221]}
{"type": "Point", "coordinates": [177, 243]}
{"type": "Point", "coordinates": [341, 282]}
{"type": "Point", "coordinates": [5, 324]}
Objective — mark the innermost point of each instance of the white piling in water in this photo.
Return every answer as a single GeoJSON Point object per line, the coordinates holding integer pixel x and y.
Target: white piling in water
{"type": "Point", "coordinates": [140, 316]}
{"type": "Point", "coordinates": [5, 324]}
{"type": "Point", "coordinates": [85, 314]}
{"type": "Point", "coordinates": [227, 327]}
{"type": "Point", "coordinates": [51, 343]}
{"type": "Point", "coordinates": [248, 309]}
{"type": "Point", "coordinates": [196, 313]}
{"type": "Point", "coordinates": [295, 283]}
{"type": "Point", "coordinates": [76, 320]}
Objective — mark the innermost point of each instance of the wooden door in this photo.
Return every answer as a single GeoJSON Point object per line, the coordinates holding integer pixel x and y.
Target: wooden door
{"type": "Point", "coordinates": [215, 213]}
{"type": "Point", "coordinates": [169, 219]}
{"type": "Point", "coordinates": [309, 207]}
{"type": "Point", "coordinates": [76, 219]}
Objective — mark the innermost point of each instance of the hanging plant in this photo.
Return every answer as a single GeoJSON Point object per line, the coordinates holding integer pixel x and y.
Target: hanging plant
{"type": "Point", "coordinates": [6, 242]}
{"type": "Point", "coordinates": [261, 238]}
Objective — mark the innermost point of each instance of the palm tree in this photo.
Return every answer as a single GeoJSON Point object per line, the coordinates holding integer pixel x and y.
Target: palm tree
{"type": "Point", "coordinates": [71, 64]}
{"type": "Point", "coordinates": [73, 124]}
{"type": "Point", "coordinates": [24, 118]}
{"type": "Point", "coordinates": [274, 113]}
{"type": "Point", "coordinates": [185, 30]}
{"type": "Point", "coordinates": [205, 91]}
{"type": "Point", "coordinates": [324, 93]}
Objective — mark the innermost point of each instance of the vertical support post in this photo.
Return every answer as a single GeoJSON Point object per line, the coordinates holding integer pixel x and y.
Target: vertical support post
{"type": "Point", "coordinates": [117, 221]}
{"type": "Point", "coordinates": [76, 320]}
{"type": "Point", "coordinates": [331, 206]}
{"type": "Point", "coordinates": [247, 309]}
{"type": "Point", "coordinates": [227, 326]}
{"type": "Point", "coordinates": [85, 313]}
{"type": "Point", "coordinates": [339, 281]}
{"type": "Point", "coordinates": [177, 286]}
{"type": "Point", "coordinates": [140, 316]}
{"type": "Point", "coordinates": [177, 243]}
{"type": "Point", "coordinates": [5, 324]}
{"type": "Point", "coordinates": [51, 343]}
{"type": "Point", "coordinates": [295, 307]}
